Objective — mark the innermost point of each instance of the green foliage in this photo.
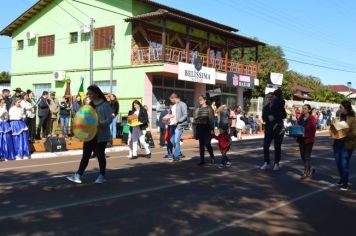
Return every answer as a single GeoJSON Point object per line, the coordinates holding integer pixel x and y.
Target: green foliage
{"type": "Point", "coordinates": [271, 59]}
{"type": "Point", "coordinates": [5, 75]}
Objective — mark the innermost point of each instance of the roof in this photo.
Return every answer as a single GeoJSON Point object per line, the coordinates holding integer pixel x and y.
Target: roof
{"type": "Point", "coordinates": [41, 4]}
{"type": "Point", "coordinates": [297, 96]}
{"type": "Point", "coordinates": [341, 88]}
{"type": "Point", "coordinates": [193, 21]}
{"type": "Point", "coordinates": [302, 88]}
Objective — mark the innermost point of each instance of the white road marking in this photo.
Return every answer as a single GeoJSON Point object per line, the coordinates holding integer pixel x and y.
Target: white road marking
{"type": "Point", "coordinates": [268, 210]}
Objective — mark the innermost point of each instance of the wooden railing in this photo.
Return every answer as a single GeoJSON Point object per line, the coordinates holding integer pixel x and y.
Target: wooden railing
{"type": "Point", "coordinates": [148, 55]}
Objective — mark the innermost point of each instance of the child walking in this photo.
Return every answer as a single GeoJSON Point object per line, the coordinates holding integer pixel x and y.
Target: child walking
{"type": "Point", "coordinates": [224, 140]}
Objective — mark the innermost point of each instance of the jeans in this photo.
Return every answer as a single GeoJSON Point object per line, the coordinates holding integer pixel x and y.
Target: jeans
{"type": "Point", "coordinates": [162, 132]}
{"type": "Point", "coordinates": [88, 149]}
{"type": "Point", "coordinates": [177, 135]}
{"type": "Point", "coordinates": [276, 133]}
{"type": "Point", "coordinates": [342, 158]}
{"type": "Point", "coordinates": [113, 124]}
{"type": "Point", "coordinates": [170, 143]}
{"type": "Point", "coordinates": [64, 125]}
{"type": "Point", "coordinates": [224, 158]}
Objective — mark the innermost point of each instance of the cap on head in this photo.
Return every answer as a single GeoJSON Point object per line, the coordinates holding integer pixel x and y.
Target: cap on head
{"type": "Point", "coordinates": [44, 93]}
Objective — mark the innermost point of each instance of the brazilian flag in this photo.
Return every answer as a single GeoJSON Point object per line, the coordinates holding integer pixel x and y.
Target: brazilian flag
{"type": "Point", "coordinates": [81, 89]}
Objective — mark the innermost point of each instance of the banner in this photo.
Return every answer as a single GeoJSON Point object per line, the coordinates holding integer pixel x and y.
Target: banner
{"type": "Point", "coordinates": [239, 80]}
{"type": "Point", "coordinates": [275, 79]}
{"type": "Point", "coordinates": [196, 73]}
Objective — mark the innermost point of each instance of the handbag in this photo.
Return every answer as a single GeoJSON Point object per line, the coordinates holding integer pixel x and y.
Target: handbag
{"type": "Point", "coordinates": [339, 129]}
{"type": "Point", "coordinates": [296, 131]}
{"type": "Point", "coordinates": [167, 135]}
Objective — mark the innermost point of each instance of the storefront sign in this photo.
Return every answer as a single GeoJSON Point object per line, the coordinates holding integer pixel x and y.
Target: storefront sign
{"type": "Point", "coordinates": [275, 79]}
{"type": "Point", "coordinates": [196, 73]}
{"type": "Point", "coordinates": [239, 80]}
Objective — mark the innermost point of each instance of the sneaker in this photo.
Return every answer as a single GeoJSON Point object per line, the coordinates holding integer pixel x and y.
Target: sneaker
{"type": "Point", "coordinates": [221, 166]}
{"type": "Point", "coordinates": [276, 167]}
{"type": "Point", "coordinates": [100, 180]}
{"type": "Point", "coordinates": [265, 166]}
{"type": "Point", "coordinates": [170, 159]}
{"type": "Point", "coordinates": [344, 187]}
{"type": "Point", "coordinates": [228, 164]}
{"type": "Point", "coordinates": [339, 184]}
{"type": "Point", "coordinates": [75, 178]}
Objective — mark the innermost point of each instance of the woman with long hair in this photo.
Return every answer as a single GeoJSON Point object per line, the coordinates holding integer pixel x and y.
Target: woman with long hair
{"type": "Point", "coordinates": [138, 132]}
{"type": "Point", "coordinates": [98, 144]}
{"type": "Point", "coordinates": [204, 120]}
{"type": "Point", "coordinates": [64, 113]}
{"type": "Point", "coordinates": [19, 130]}
{"type": "Point", "coordinates": [7, 151]}
{"type": "Point", "coordinates": [306, 142]}
{"type": "Point", "coordinates": [343, 148]}
{"type": "Point", "coordinates": [115, 114]}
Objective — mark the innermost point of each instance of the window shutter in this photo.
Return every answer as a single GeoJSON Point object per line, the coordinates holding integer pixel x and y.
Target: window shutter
{"type": "Point", "coordinates": [102, 37]}
{"type": "Point", "coordinates": [46, 45]}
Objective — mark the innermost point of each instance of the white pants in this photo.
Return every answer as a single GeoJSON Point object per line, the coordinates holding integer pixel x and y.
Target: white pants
{"type": "Point", "coordinates": [137, 135]}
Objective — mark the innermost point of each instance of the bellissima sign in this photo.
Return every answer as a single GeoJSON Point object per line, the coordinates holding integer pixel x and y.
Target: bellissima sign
{"type": "Point", "coordinates": [239, 80]}
{"type": "Point", "coordinates": [196, 73]}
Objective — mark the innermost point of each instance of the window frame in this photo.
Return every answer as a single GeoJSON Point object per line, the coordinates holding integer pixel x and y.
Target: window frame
{"type": "Point", "coordinates": [43, 50]}
{"type": "Point", "coordinates": [18, 43]}
{"type": "Point", "coordinates": [100, 38]}
{"type": "Point", "coordinates": [71, 37]}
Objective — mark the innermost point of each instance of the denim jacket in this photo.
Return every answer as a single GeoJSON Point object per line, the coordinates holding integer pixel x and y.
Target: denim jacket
{"type": "Point", "coordinates": [104, 112]}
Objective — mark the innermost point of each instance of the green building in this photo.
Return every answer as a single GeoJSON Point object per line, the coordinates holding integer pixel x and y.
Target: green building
{"type": "Point", "coordinates": [158, 50]}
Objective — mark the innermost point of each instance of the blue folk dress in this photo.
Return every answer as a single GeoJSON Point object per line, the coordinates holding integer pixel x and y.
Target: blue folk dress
{"type": "Point", "coordinates": [19, 130]}
{"type": "Point", "coordinates": [6, 146]}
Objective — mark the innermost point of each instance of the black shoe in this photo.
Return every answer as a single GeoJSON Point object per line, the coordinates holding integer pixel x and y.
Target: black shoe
{"type": "Point", "coordinates": [344, 187]}
{"type": "Point", "coordinates": [133, 157]}
{"type": "Point", "coordinates": [165, 156]}
{"type": "Point", "coordinates": [148, 156]}
{"type": "Point", "coordinates": [339, 184]}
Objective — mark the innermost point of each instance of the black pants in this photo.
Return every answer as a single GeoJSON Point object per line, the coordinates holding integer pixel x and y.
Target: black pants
{"type": "Point", "coordinates": [31, 125]}
{"type": "Point", "coordinates": [276, 133]}
{"type": "Point", "coordinates": [204, 136]}
{"type": "Point", "coordinates": [162, 141]}
{"type": "Point", "coordinates": [43, 125]}
{"type": "Point", "coordinates": [305, 150]}
{"type": "Point", "coordinates": [233, 132]}
{"type": "Point", "coordinates": [88, 149]}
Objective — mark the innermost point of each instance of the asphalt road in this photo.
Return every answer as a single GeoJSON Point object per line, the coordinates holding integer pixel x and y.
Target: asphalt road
{"type": "Point", "coordinates": [155, 197]}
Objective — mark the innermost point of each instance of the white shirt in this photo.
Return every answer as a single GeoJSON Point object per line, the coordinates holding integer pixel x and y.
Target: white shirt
{"type": "Point", "coordinates": [173, 120]}
{"type": "Point", "coordinates": [17, 113]}
{"type": "Point", "coordinates": [4, 115]}
{"type": "Point", "coordinates": [28, 108]}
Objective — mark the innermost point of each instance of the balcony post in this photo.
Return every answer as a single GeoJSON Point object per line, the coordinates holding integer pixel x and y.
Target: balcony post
{"type": "Point", "coordinates": [208, 51]}
{"type": "Point", "coordinates": [164, 37]}
{"type": "Point", "coordinates": [226, 55]}
{"type": "Point", "coordinates": [187, 45]}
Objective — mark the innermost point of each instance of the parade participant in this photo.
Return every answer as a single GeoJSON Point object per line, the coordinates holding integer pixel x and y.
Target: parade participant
{"type": "Point", "coordinates": [115, 115]}
{"type": "Point", "coordinates": [98, 144]}
{"type": "Point", "coordinates": [204, 120]}
{"type": "Point", "coordinates": [7, 151]}
{"type": "Point", "coordinates": [224, 141]}
{"type": "Point", "coordinates": [233, 119]}
{"type": "Point", "coordinates": [179, 121]}
{"type": "Point", "coordinates": [137, 132]}
{"type": "Point", "coordinates": [307, 141]}
{"type": "Point", "coordinates": [19, 130]}
{"type": "Point", "coordinates": [17, 95]}
{"type": "Point", "coordinates": [7, 99]}
{"type": "Point", "coordinates": [76, 104]}
{"type": "Point", "coordinates": [162, 126]}
{"type": "Point", "coordinates": [273, 114]}
{"type": "Point", "coordinates": [32, 126]}
{"type": "Point", "coordinates": [54, 108]}
{"type": "Point", "coordinates": [43, 114]}
{"type": "Point", "coordinates": [240, 124]}
{"type": "Point", "coordinates": [64, 114]}
{"type": "Point", "coordinates": [29, 112]}
{"type": "Point", "coordinates": [343, 148]}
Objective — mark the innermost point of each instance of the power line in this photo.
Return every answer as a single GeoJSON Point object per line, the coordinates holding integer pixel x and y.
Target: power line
{"type": "Point", "coordinates": [321, 66]}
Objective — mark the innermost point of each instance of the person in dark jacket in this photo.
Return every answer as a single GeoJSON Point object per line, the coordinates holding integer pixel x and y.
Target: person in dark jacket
{"type": "Point", "coordinates": [204, 120]}
{"type": "Point", "coordinates": [273, 114]}
{"type": "Point", "coordinates": [307, 141]}
{"type": "Point", "coordinates": [64, 114]}
{"type": "Point", "coordinates": [76, 105]}
{"type": "Point", "coordinates": [7, 99]}
{"type": "Point", "coordinates": [162, 126]}
{"type": "Point", "coordinates": [138, 132]}
{"type": "Point", "coordinates": [115, 114]}
{"type": "Point", "coordinates": [43, 114]}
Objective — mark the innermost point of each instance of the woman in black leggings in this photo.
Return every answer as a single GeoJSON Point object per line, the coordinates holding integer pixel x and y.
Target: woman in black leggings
{"type": "Point", "coordinates": [103, 136]}
{"type": "Point", "coordinates": [204, 120]}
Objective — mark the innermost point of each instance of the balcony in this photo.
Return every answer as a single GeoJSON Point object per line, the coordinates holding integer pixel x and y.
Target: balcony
{"type": "Point", "coordinates": [148, 55]}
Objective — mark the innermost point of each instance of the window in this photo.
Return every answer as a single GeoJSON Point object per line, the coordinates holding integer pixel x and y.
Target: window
{"type": "Point", "coordinates": [39, 88]}
{"type": "Point", "coordinates": [46, 45]}
{"type": "Point", "coordinates": [20, 44]}
{"type": "Point", "coordinates": [73, 37]}
{"type": "Point", "coordinates": [105, 86]}
{"type": "Point", "coordinates": [103, 36]}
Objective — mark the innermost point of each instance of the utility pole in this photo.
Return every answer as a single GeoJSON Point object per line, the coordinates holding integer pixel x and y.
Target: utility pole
{"type": "Point", "coordinates": [91, 51]}
{"type": "Point", "coordinates": [112, 44]}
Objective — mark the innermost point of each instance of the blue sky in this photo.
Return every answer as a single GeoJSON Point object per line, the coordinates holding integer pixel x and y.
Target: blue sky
{"type": "Point", "coordinates": [319, 32]}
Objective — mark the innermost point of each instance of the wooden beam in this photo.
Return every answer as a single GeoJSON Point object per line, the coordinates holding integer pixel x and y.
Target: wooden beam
{"type": "Point", "coordinates": [164, 37]}
{"type": "Point", "coordinates": [208, 51]}
{"type": "Point", "coordinates": [187, 44]}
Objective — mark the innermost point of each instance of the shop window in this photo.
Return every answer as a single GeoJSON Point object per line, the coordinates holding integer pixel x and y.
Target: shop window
{"type": "Point", "coordinates": [180, 84]}
{"type": "Point", "coordinates": [20, 44]}
{"type": "Point", "coordinates": [157, 81]}
{"type": "Point", "coordinates": [168, 82]}
{"type": "Point", "coordinates": [39, 88]}
{"type": "Point", "coordinates": [104, 85]}
{"type": "Point", "coordinates": [103, 37]}
{"type": "Point", "coordinates": [46, 45]}
{"type": "Point", "coordinates": [73, 37]}
{"type": "Point", "coordinates": [190, 85]}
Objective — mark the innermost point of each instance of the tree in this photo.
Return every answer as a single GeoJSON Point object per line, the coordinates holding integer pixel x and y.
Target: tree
{"type": "Point", "coordinates": [5, 75]}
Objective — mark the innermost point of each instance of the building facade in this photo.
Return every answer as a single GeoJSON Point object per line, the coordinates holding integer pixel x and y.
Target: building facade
{"type": "Point", "coordinates": [158, 50]}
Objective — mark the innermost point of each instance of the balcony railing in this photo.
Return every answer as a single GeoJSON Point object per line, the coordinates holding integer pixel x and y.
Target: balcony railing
{"type": "Point", "coordinates": [148, 55]}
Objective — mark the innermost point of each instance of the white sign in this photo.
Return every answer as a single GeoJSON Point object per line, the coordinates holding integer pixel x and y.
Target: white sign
{"type": "Point", "coordinates": [196, 73]}
{"type": "Point", "coordinates": [276, 78]}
